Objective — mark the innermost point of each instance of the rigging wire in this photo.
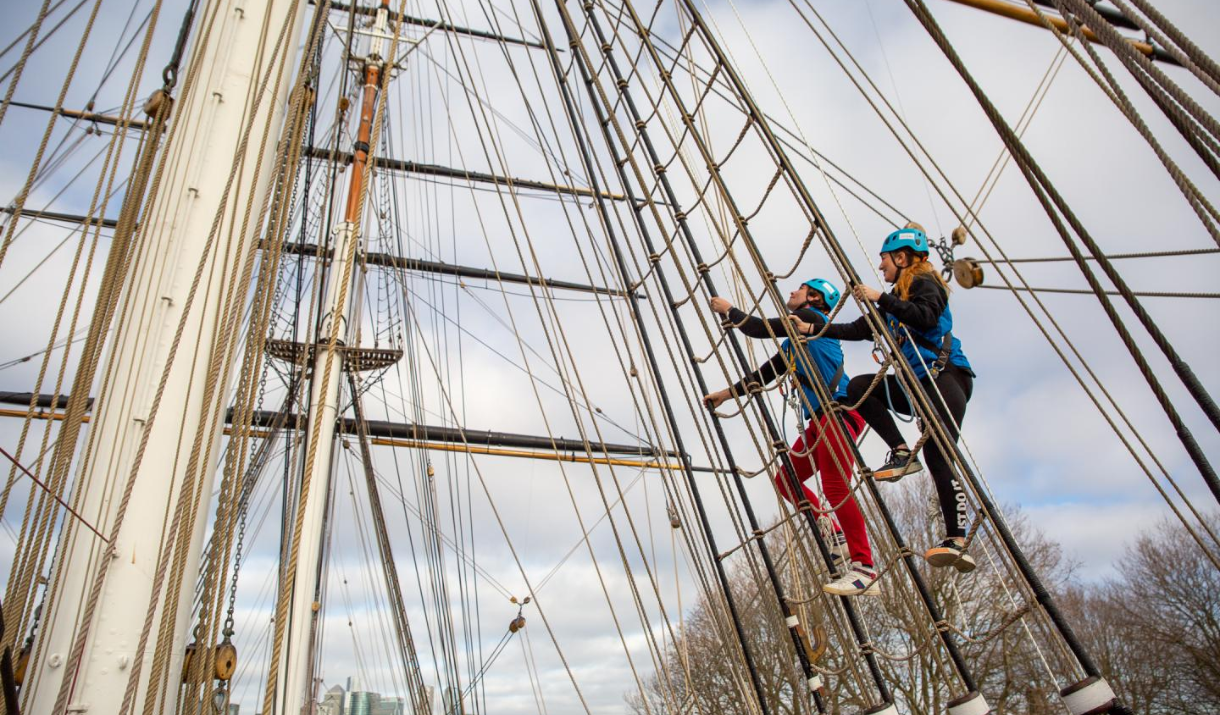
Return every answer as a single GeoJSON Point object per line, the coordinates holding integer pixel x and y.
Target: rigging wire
{"type": "Point", "coordinates": [27, 30]}
{"type": "Point", "coordinates": [1109, 256]}
{"type": "Point", "coordinates": [885, 58]}
{"type": "Point", "coordinates": [559, 327]}
{"type": "Point", "coordinates": [1050, 317]}
{"type": "Point", "coordinates": [493, 138]}
{"type": "Point", "coordinates": [116, 56]}
{"type": "Point", "coordinates": [449, 383]}
{"type": "Point", "coordinates": [1055, 207]}
{"type": "Point", "coordinates": [1087, 291]}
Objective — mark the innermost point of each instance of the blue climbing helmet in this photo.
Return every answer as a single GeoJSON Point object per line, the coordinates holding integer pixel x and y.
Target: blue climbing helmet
{"type": "Point", "coordinates": [826, 288]}
{"type": "Point", "coordinates": [911, 238]}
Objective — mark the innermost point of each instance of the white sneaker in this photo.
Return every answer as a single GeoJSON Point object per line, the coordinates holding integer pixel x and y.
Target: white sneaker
{"type": "Point", "coordinates": [836, 543]}
{"type": "Point", "coordinates": [859, 580]}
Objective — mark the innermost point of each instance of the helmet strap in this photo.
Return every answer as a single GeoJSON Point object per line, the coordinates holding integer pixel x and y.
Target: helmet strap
{"type": "Point", "coordinates": [900, 268]}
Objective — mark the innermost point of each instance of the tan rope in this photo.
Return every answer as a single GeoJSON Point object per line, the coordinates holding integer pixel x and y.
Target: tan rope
{"type": "Point", "coordinates": [19, 202]}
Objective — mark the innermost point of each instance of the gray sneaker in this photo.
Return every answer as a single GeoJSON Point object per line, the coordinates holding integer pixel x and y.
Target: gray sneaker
{"type": "Point", "coordinates": [898, 464]}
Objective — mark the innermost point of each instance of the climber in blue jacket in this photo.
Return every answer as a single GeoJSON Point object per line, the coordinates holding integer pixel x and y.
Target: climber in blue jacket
{"type": "Point", "coordinates": [916, 312]}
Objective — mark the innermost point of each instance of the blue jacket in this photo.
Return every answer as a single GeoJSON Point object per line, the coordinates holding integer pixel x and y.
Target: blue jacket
{"type": "Point", "coordinates": [923, 348]}
{"type": "Point", "coordinates": [825, 353]}
{"type": "Point", "coordinates": [919, 324]}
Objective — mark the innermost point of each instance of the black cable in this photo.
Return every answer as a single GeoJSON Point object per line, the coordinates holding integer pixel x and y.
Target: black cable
{"type": "Point", "coordinates": [116, 56]}
{"type": "Point", "coordinates": [1086, 291]}
{"type": "Point", "coordinates": [1054, 205]}
{"type": "Point", "coordinates": [1035, 178]}
{"type": "Point", "coordinates": [1111, 256]}
{"type": "Point", "coordinates": [170, 74]}
{"type": "Point", "coordinates": [670, 415]}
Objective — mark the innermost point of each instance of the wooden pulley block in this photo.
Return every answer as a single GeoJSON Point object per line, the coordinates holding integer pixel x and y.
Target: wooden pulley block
{"type": "Point", "coordinates": [915, 225]}
{"type": "Point", "coordinates": [187, 660]}
{"type": "Point", "coordinates": [967, 272]}
{"type": "Point", "coordinates": [155, 102]}
{"type": "Point", "coordinates": [517, 624]}
{"type": "Point", "coordinates": [305, 93]}
{"type": "Point", "coordinates": [959, 236]}
{"type": "Point", "coordinates": [226, 661]}
{"type": "Point", "coordinates": [23, 662]}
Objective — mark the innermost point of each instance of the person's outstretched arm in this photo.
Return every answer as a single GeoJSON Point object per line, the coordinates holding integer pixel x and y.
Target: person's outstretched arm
{"type": "Point", "coordinates": [754, 327]}
{"type": "Point", "coordinates": [765, 374]}
{"type": "Point", "coordinates": [857, 329]}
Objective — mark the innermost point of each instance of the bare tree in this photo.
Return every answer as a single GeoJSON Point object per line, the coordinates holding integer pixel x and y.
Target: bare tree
{"type": "Point", "coordinates": [1155, 629]}
{"type": "Point", "coordinates": [1002, 658]}
{"type": "Point", "coordinates": [707, 675]}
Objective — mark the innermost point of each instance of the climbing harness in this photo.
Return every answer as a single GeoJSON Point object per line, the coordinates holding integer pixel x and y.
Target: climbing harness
{"type": "Point", "coordinates": [889, 401]}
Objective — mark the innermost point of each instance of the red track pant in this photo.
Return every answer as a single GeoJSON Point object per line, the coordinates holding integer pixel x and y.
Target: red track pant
{"type": "Point", "coordinates": [833, 459]}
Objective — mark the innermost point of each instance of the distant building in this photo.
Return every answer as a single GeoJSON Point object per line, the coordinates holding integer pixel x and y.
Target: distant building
{"type": "Point", "coordinates": [332, 701]}
{"type": "Point", "coordinates": [453, 704]}
{"type": "Point", "coordinates": [353, 701]}
{"type": "Point", "coordinates": [360, 703]}
{"type": "Point", "coordinates": [390, 706]}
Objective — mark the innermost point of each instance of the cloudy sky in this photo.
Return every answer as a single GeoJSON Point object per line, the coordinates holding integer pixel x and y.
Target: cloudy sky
{"type": "Point", "coordinates": [1037, 439]}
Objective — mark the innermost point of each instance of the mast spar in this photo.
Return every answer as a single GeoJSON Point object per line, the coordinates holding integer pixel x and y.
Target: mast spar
{"type": "Point", "coordinates": [106, 597]}
{"type": "Point", "coordinates": [293, 672]}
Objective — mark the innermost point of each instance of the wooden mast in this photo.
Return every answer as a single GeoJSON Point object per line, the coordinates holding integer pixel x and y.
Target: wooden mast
{"type": "Point", "coordinates": [103, 594]}
{"type": "Point", "coordinates": [294, 681]}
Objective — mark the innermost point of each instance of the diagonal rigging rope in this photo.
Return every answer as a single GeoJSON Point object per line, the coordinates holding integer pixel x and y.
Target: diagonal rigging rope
{"type": "Point", "coordinates": [1055, 206]}
{"type": "Point", "coordinates": [969, 218]}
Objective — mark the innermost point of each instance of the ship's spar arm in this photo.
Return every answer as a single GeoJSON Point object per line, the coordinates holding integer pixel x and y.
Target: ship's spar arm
{"type": "Point", "coordinates": [88, 116]}
{"type": "Point", "coordinates": [62, 217]}
{"type": "Point", "coordinates": [1114, 17]}
{"type": "Point", "coordinates": [409, 434]}
{"type": "Point", "coordinates": [415, 167]}
{"type": "Point", "coordinates": [383, 260]}
{"type": "Point", "coordinates": [433, 24]}
{"type": "Point", "coordinates": [387, 260]}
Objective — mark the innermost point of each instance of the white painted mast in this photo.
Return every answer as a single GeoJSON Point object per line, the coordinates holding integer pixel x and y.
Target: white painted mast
{"type": "Point", "coordinates": [210, 120]}
{"type": "Point", "coordinates": [294, 686]}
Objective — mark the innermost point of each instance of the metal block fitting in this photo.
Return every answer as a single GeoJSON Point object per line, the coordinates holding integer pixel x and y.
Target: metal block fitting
{"type": "Point", "coordinates": [1091, 696]}
{"type": "Point", "coordinates": [972, 703]}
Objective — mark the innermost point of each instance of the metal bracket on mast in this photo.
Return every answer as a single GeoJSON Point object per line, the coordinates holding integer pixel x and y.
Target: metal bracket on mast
{"type": "Point", "coordinates": [437, 24]}
{"type": "Point", "coordinates": [354, 359]}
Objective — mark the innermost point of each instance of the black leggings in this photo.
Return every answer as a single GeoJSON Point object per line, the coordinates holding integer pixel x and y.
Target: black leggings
{"type": "Point", "coordinates": [955, 384]}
